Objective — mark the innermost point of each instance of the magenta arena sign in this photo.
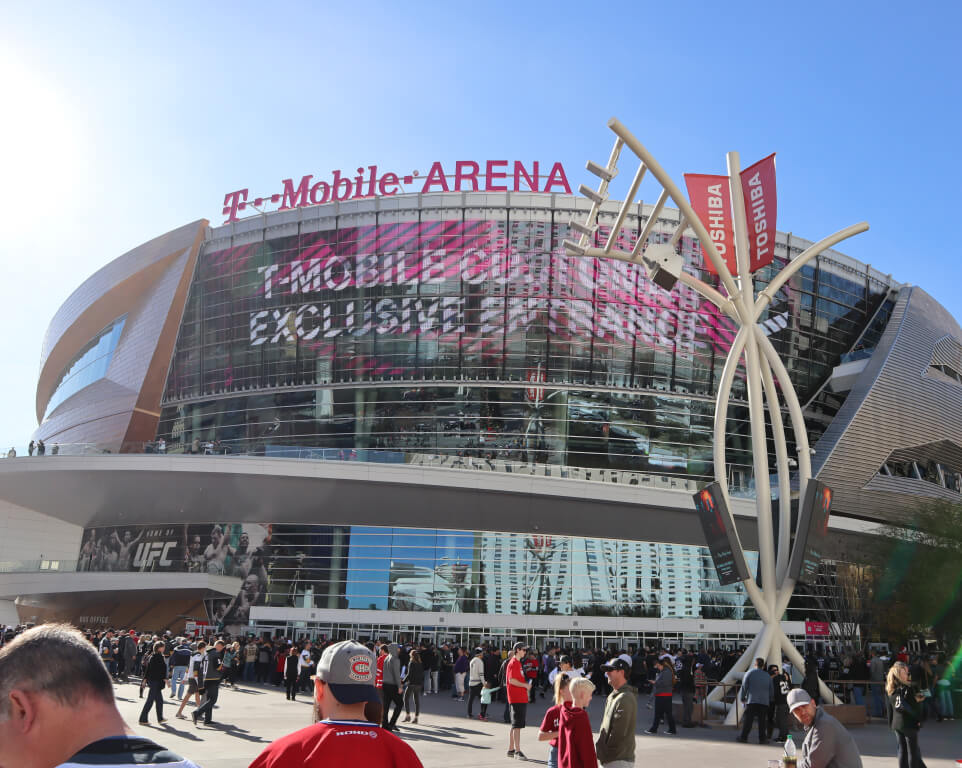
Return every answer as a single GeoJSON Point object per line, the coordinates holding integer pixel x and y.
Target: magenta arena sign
{"type": "Point", "coordinates": [498, 176]}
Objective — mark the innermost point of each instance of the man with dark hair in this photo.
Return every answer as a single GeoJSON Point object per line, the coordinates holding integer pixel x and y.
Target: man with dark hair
{"type": "Point", "coordinates": [107, 653]}
{"type": "Point", "coordinates": [57, 707]}
{"type": "Point", "coordinates": [517, 689]}
{"type": "Point", "coordinates": [757, 692]}
{"type": "Point", "coordinates": [211, 674]}
{"type": "Point", "coordinates": [344, 686]}
{"type": "Point", "coordinates": [391, 687]}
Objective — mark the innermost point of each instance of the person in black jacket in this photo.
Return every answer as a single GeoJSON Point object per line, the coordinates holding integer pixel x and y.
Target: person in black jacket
{"type": "Point", "coordinates": [211, 672]}
{"type": "Point", "coordinates": [778, 711]}
{"type": "Point", "coordinates": [905, 715]}
{"type": "Point", "coordinates": [686, 687]}
{"type": "Point", "coordinates": [810, 681]}
{"type": "Point", "coordinates": [155, 674]}
{"type": "Point", "coordinates": [290, 673]}
{"type": "Point", "coordinates": [413, 682]}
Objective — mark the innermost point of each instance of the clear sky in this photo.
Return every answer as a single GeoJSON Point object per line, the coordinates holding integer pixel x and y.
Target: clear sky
{"type": "Point", "coordinates": [119, 122]}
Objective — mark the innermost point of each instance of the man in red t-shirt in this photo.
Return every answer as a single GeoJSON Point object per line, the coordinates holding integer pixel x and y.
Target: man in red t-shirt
{"type": "Point", "coordinates": [343, 686]}
{"type": "Point", "coordinates": [517, 690]}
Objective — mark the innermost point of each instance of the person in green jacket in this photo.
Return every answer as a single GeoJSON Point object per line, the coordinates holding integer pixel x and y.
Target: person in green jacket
{"type": "Point", "coordinates": [616, 740]}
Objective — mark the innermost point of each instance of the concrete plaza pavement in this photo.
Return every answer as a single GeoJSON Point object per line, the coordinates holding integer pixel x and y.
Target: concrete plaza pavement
{"type": "Point", "coordinates": [248, 719]}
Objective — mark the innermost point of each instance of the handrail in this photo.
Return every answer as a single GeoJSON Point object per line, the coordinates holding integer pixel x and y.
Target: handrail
{"type": "Point", "coordinates": [496, 459]}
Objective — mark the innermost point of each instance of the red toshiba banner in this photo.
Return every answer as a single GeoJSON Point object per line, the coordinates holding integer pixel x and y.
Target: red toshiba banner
{"type": "Point", "coordinates": [711, 198]}
{"type": "Point", "coordinates": [816, 628]}
{"type": "Point", "coordinates": [761, 208]}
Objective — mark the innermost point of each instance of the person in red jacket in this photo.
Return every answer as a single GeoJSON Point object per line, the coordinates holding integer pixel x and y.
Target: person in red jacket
{"type": "Point", "coordinates": [379, 677]}
{"type": "Point", "coordinates": [530, 668]}
{"type": "Point", "coordinates": [576, 745]}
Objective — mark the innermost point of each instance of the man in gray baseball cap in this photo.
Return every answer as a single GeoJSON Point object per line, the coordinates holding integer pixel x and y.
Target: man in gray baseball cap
{"type": "Point", "coordinates": [344, 685]}
{"type": "Point", "coordinates": [827, 744]}
{"type": "Point", "coordinates": [348, 669]}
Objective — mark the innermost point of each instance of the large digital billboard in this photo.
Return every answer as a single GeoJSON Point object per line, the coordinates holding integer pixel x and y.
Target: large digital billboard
{"type": "Point", "coordinates": [809, 545]}
{"type": "Point", "coordinates": [720, 535]}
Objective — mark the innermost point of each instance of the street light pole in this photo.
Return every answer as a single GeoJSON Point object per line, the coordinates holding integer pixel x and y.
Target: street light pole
{"type": "Point", "coordinates": [765, 373]}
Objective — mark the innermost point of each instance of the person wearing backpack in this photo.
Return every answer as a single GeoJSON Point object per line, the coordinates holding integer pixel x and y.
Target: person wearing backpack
{"type": "Point", "coordinates": [179, 661]}
{"type": "Point", "coordinates": [502, 690]}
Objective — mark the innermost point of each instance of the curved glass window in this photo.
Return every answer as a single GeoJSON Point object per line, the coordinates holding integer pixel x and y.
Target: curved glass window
{"type": "Point", "coordinates": [90, 364]}
{"type": "Point", "coordinates": [364, 567]}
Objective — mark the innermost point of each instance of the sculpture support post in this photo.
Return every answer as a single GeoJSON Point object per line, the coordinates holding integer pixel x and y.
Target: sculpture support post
{"type": "Point", "coordinates": [765, 375]}
{"type": "Point", "coordinates": [753, 378]}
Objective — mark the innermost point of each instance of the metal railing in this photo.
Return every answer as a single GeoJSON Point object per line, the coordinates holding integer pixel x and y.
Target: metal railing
{"type": "Point", "coordinates": [861, 693]}
{"type": "Point", "coordinates": [493, 460]}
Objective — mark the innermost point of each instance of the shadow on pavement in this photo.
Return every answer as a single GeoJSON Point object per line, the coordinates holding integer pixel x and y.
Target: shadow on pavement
{"type": "Point", "coordinates": [183, 734]}
{"type": "Point", "coordinates": [437, 735]}
{"type": "Point", "coordinates": [232, 730]}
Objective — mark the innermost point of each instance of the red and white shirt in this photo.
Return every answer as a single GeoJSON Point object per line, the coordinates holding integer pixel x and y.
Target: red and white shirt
{"type": "Point", "coordinates": [379, 671]}
{"type": "Point", "coordinates": [338, 742]}
{"type": "Point", "coordinates": [552, 722]}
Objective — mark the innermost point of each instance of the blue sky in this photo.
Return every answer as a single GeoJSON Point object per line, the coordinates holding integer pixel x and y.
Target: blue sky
{"type": "Point", "coordinates": [123, 121]}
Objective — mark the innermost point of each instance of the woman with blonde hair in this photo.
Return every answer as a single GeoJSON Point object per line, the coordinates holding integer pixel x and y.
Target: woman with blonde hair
{"type": "Point", "coordinates": [905, 715]}
{"type": "Point", "coordinates": [552, 718]}
{"type": "Point", "coordinates": [576, 745]}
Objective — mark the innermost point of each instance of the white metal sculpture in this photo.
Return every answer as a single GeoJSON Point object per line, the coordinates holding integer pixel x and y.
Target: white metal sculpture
{"type": "Point", "coordinates": [763, 368]}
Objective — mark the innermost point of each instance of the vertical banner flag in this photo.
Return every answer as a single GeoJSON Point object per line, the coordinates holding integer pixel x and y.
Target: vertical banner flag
{"type": "Point", "coordinates": [761, 208]}
{"type": "Point", "coordinates": [711, 198]}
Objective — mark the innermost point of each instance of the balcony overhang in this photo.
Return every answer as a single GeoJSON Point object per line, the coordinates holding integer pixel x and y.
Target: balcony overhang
{"type": "Point", "coordinates": [128, 489]}
{"type": "Point", "coordinates": [36, 584]}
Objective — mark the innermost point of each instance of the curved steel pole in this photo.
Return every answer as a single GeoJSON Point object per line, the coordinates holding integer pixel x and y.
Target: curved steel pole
{"type": "Point", "coordinates": [794, 407]}
{"type": "Point", "coordinates": [753, 380]}
{"type": "Point", "coordinates": [669, 186]}
{"type": "Point", "coordinates": [784, 476]}
{"type": "Point", "coordinates": [699, 286]}
{"type": "Point", "coordinates": [721, 407]}
{"type": "Point", "coordinates": [768, 293]}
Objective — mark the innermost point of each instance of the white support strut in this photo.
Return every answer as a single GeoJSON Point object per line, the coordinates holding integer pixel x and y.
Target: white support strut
{"type": "Point", "coordinates": [765, 376]}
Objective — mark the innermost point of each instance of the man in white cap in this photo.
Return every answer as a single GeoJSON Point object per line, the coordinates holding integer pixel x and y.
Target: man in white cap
{"type": "Point", "coordinates": [827, 744]}
{"type": "Point", "coordinates": [343, 686]}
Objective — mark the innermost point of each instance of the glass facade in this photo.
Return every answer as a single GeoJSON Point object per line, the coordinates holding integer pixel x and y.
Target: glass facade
{"type": "Point", "coordinates": [428, 570]}
{"type": "Point", "coordinates": [90, 364]}
{"type": "Point", "coordinates": [467, 331]}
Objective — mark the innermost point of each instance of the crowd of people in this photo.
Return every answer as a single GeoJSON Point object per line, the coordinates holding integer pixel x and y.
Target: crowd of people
{"type": "Point", "coordinates": [188, 672]}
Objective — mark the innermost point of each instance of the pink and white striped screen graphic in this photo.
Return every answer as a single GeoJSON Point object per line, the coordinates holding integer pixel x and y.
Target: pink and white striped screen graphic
{"type": "Point", "coordinates": [464, 283]}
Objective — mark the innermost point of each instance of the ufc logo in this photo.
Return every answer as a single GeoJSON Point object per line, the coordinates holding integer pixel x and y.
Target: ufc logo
{"type": "Point", "coordinates": [148, 554]}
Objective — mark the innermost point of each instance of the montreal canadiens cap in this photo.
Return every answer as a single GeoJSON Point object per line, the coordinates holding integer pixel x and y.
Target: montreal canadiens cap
{"type": "Point", "coordinates": [797, 698]}
{"type": "Point", "coordinates": [348, 669]}
{"type": "Point", "coordinates": [618, 663]}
